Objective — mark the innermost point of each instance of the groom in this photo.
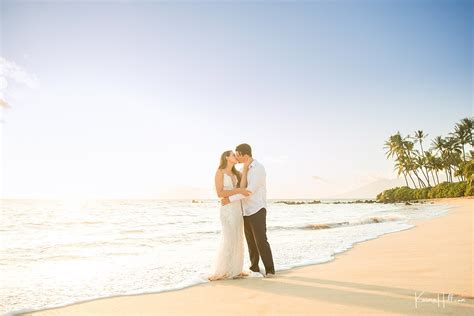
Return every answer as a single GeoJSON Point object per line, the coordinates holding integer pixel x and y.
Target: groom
{"type": "Point", "coordinates": [254, 211]}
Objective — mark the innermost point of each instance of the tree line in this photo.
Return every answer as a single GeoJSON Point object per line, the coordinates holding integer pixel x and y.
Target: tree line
{"type": "Point", "coordinates": [421, 163]}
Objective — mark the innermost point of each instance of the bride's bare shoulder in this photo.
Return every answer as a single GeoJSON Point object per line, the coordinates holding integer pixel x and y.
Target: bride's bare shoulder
{"type": "Point", "coordinates": [219, 173]}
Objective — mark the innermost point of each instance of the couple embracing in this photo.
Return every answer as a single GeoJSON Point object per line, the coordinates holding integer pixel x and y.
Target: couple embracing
{"type": "Point", "coordinates": [242, 211]}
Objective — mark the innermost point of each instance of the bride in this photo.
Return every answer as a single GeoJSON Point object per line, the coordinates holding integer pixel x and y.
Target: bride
{"type": "Point", "coordinates": [230, 256]}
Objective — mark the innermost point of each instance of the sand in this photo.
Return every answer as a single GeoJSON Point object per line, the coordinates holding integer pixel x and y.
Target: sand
{"type": "Point", "coordinates": [379, 276]}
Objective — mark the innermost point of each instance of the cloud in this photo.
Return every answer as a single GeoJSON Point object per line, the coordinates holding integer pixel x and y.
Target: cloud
{"type": "Point", "coordinates": [318, 178]}
{"type": "Point", "coordinates": [11, 72]}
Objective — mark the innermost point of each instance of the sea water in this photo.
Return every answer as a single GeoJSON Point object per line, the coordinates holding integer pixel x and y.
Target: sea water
{"type": "Point", "coordinates": [54, 253]}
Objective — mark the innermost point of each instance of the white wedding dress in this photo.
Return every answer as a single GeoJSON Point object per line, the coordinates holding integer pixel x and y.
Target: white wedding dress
{"type": "Point", "coordinates": [230, 256]}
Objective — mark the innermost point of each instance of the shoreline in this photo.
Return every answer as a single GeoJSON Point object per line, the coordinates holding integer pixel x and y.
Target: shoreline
{"type": "Point", "coordinates": [200, 296]}
{"type": "Point", "coordinates": [191, 284]}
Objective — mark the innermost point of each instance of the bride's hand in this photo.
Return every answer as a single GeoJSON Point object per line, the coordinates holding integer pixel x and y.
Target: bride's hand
{"type": "Point", "coordinates": [246, 166]}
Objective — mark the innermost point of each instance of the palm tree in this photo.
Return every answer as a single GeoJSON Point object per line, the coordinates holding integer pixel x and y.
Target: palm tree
{"type": "Point", "coordinates": [438, 166]}
{"type": "Point", "coordinates": [463, 134]}
{"type": "Point", "coordinates": [393, 145]}
{"type": "Point", "coordinates": [468, 124]}
{"type": "Point", "coordinates": [419, 136]}
{"type": "Point", "coordinates": [400, 168]}
{"type": "Point", "coordinates": [395, 148]}
{"type": "Point", "coordinates": [452, 154]}
{"type": "Point", "coordinates": [407, 167]}
{"type": "Point", "coordinates": [431, 165]}
{"type": "Point", "coordinates": [408, 148]}
{"type": "Point", "coordinates": [439, 145]}
{"type": "Point", "coordinates": [420, 162]}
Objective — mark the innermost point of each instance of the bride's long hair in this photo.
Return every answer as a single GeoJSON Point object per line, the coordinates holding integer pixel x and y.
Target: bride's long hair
{"type": "Point", "coordinates": [223, 165]}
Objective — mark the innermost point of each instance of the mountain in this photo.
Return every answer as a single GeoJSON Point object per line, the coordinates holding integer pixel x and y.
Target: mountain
{"type": "Point", "coordinates": [371, 190]}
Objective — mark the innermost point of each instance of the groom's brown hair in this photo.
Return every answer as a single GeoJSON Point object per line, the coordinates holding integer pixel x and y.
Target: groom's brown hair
{"type": "Point", "coordinates": [244, 149]}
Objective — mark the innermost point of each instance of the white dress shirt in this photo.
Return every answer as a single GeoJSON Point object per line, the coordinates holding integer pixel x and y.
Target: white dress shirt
{"type": "Point", "coordinates": [257, 185]}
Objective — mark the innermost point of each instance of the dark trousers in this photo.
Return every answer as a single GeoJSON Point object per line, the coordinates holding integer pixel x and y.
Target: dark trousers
{"type": "Point", "coordinates": [255, 227]}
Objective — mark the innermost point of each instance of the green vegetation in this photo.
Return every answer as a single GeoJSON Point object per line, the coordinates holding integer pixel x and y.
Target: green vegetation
{"type": "Point", "coordinates": [442, 190]}
{"type": "Point", "coordinates": [421, 168]}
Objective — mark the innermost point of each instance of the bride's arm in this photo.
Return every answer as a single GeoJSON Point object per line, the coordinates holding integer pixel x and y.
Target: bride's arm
{"type": "Point", "coordinates": [257, 180]}
{"type": "Point", "coordinates": [219, 180]}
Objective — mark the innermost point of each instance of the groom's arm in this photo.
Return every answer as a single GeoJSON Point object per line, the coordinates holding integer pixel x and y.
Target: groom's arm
{"type": "Point", "coordinates": [256, 178]}
{"type": "Point", "coordinates": [236, 197]}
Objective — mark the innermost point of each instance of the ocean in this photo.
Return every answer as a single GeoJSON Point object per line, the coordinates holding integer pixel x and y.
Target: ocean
{"type": "Point", "coordinates": [54, 253]}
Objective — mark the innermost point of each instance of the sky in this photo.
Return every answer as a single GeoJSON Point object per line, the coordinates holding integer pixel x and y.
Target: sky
{"type": "Point", "coordinates": [121, 99]}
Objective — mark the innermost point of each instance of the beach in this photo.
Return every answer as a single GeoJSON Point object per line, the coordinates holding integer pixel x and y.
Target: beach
{"type": "Point", "coordinates": [406, 272]}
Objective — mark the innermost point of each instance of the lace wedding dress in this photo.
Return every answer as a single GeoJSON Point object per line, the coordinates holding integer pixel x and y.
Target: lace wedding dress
{"type": "Point", "coordinates": [230, 256]}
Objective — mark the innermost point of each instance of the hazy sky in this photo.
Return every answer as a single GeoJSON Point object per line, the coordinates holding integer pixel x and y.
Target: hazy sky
{"type": "Point", "coordinates": [139, 99]}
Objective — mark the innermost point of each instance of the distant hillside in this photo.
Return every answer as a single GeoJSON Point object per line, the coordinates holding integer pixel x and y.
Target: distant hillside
{"type": "Point", "coordinates": [371, 190]}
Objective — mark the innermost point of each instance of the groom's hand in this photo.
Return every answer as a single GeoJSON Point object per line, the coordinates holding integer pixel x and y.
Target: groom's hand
{"type": "Point", "coordinates": [225, 201]}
